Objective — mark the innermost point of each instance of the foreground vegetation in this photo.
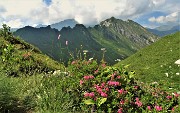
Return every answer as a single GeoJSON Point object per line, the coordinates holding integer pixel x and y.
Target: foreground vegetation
{"type": "Point", "coordinates": [83, 86]}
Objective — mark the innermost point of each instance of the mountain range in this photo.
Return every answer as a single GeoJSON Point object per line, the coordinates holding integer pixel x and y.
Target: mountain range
{"type": "Point", "coordinates": [59, 25]}
{"type": "Point", "coordinates": [165, 30]}
{"type": "Point", "coordinates": [120, 39]}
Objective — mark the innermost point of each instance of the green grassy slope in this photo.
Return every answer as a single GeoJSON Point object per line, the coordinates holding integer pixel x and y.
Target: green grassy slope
{"type": "Point", "coordinates": [154, 62]}
{"type": "Point", "coordinates": [18, 57]}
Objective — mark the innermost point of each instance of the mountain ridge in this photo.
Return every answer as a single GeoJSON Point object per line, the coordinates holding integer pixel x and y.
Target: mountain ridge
{"type": "Point", "coordinates": [118, 43]}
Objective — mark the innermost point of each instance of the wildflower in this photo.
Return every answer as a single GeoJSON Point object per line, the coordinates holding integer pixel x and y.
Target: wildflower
{"type": "Point", "coordinates": [59, 36]}
{"type": "Point", "coordinates": [103, 65]}
{"type": "Point", "coordinates": [149, 107]}
{"type": "Point", "coordinates": [121, 91]}
{"type": "Point", "coordinates": [158, 108]}
{"type": "Point", "coordinates": [138, 103]}
{"type": "Point", "coordinates": [85, 51]}
{"type": "Point", "coordinates": [73, 62]}
{"type": "Point", "coordinates": [169, 97]}
{"type": "Point", "coordinates": [107, 89]}
{"type": "Point", "coordinates": [122, 102]}
{"type": "Point", "coordinates": [88, 77]}
{"type": "Point", "coordinates": [118, 77]}
{"type": "Point", "coordinates": [103, 84]}
{"type": "Point", "coordinates": [86, 94]}
{"type": "Point", "coordinates": [177, 62]}
{"type": "Point", "coordinates": [66, 42]}
{"type": "Point", "coordinates": [81, 82]}
{"type": "Point", "coordinates": [176, 94]}
{"type": "Point", "coordinates": [118, 60]}
{"type": "Point", "coordinates": [177, 73]}
{"type": "Point", "coordinates": [91, 59]}
{"type": "Point", "coordinates": [120, 110]}
{"type": "Point", "coordinates": [166, 74]}
{"type": "Point", "coordinates": [136, 87]}
{"type": "Point", "coordinates": [91, 94]}
{"type": "Point", "coordinates": [103, 49]}
{"type": "Point", "coordinates": [113, 83]}
{"type": "Point", "coordinates": [95, 72]}
{"type": "Point", "coordinates": [103, 94]}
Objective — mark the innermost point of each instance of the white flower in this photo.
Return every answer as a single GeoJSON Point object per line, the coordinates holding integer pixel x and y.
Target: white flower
{"type": "Point", "coordinates": [118, 60]}
{"type": "Point", "coordinates": [91, 59]}
{"type": "Point", "coordinates": [103, 49]}
{"type": "Point", "coordinates": [178, 92]}
{"type": "Point", "coordinates": [177, 62]}
{"type": "Point", "coordinates": [85, 51]}
{"type": "Point", "coordinates": [154, 83]}
{"type": "Point", "coordinates": [177, 73]}
{"type": "Point", "coordinates": [166, 74]}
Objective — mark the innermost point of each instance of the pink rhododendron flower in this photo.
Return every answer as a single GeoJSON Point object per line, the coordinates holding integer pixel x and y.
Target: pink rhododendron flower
{"type": "Point", "coordinates": [73, 62]}
{"type": "Point", "coordinates": [149, 107]}
{"type": "Point", "coordinates": [121, 91]}
{"type": "Point", "coordinates": [118, 77]}
{"type": "Point", "coordinates": [91, 94]}
{"type": "Point", "coordinates": [88, 77]}
{"type": "Point", "coordinates": [95, 72]}
{"type": "Point", "coordinates": [107, 89]}
{"type": "Point", "coordinates": [137, 99]}
{"type": "Point", "coordinates": [99, 90]}
{"type": "Point", "coordinates": [103, 94]}
{"type": "Point", "coordinates": [169, 97]}
{"type": "Point", "coordinates": [136, 87]}
{"type": "Point", "coordinates": [122, 102]}
{"type": "Point", "coordinates": [103, 84]}
{"type": "Point", "coordinates": [176, 95]}
{"type": "Point", "coordinates": [138, 103]}
{"type": "Point", "coordinates": [81, 82]}
{"type": "Point", "coordinates": [158, 108]}
{"type": "Point", "coordinates": [103, 65]}
{"type": "Point", "coordinates": [113, 83]}
{"type": "Point", "coordinates": [86, 94]}
{"type": "Point", "coordinates": [120, 110]}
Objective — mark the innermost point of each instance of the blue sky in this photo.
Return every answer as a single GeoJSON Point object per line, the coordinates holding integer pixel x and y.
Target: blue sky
{"type": "Point", "coordinates": [148, 13]}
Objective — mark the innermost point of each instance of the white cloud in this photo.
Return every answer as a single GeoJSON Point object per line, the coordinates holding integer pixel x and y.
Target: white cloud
{"type": "Point", "coordinates": [173, 17]}
{"type": "Point", "coordinates": [31, 12]}
{"type": "Point", "coordinates": [14, 23]}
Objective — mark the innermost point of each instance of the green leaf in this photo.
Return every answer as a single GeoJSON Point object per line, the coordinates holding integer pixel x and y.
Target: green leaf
{"type": "Point", "coordinates": [100, 101]}
{"type": "Point", "coordinates": [89, 102]}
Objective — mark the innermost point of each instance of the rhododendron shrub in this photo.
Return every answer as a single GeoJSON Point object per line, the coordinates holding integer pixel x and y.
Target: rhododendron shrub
{"type": "Point", "coordinates": [110, 89]}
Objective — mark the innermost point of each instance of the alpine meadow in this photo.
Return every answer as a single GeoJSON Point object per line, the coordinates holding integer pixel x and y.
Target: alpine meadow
{"type": "Point", "coordinates": [78, 56]}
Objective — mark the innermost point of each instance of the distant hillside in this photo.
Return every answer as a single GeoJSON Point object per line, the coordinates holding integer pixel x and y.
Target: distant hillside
{"type": "Point", "coordinates": [120, 38]}
{"type": "Point", "coordinates": [157, 61]}
{"type": "Point", "coordinates": [20, 58]}
{"type": "Point", "coordinates": [165, 30]}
